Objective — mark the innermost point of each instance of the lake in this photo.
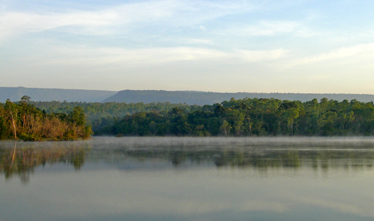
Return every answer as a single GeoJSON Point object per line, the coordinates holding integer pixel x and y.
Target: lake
{"type": "Point", "coordinates": [135, 178]}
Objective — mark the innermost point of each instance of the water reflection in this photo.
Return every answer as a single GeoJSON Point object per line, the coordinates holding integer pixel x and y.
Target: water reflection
{"type": "Point", "coordinates": [323, 159]}
{"type": "Point", "coordinates": [22, 161]}
{"type": "Point", "coordinates": [187, 179]}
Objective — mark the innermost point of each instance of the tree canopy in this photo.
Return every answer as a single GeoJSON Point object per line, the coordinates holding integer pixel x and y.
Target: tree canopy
{"type": "Point", "coordinates": [24, 121]}
{"type": "Point", "coordinates": [253, 117]}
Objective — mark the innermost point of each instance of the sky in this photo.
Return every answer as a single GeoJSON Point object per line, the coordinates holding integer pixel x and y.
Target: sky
{"type": "Point", "coordinates": [296, 46]}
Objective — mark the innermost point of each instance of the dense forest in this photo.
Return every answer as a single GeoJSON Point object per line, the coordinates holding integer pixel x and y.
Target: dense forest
{"type": "Point", "coordinates": [244, 117]}
{"type": "Point", "coordinates": [253, 117]}
{"type": "Point", "coordinates": [24, 121]}
{"type": "Point", "coordinates": [100, 115]}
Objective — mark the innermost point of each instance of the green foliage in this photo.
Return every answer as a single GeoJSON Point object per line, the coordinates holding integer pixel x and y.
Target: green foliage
{"type": "Point", "coordinates": [253, 117]}
{"type": "Point", "coordinates": [102, 115]}
{"type": "Point", "coordinates": [25, 121]}
{"type": "Point", "coordinates": [77, 116]}
{"type": "Point", "coordinates": [244, 117]}
{"type": "Point", "coordinates": [3, 129]}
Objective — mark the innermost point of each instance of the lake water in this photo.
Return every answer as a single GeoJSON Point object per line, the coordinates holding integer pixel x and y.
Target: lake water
{"type": "Point", "coordinates": [188, 179]}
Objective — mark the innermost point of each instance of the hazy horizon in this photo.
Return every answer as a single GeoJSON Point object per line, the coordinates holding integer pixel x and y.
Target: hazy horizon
{"type": "Point", "coordinates": [275, 46]}
{"type": "Point", "coordinates": [250, 92]}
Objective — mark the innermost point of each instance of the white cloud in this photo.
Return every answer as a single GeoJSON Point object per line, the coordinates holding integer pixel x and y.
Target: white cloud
{"type": "Point", "coordinates": [198, 41]}
{"type": "Point", "coordinates": [195, 12]}
{"type": "Point", "coordinates": [270, 28]}
{"type": "Point", "coordinates": [176, 13]}
{"type": "Point", "coordinates": [203, 28]}
{"type": "Point", "coordinates": [358, 53]}
{"type": "Point", "coordinates": [265, 55]}
{"type": "Point", "coordinates": [267, 28]}
{"type": "Point", "coordinates": [99, 56]}
{"type": "Point", "coordinates": [82, 55]}
{"type": "Point", "coordinates": [19, 22]}
{"type": "Point", "coordinates": [16, 23]}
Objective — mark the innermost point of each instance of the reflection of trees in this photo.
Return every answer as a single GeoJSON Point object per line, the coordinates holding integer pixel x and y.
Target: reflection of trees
{"type": "Point", "coordinates": [261, 159]}
{"type": "Point", "coordinates": [23, 160]}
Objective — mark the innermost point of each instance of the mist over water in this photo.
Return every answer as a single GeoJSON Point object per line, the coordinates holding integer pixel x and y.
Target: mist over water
{"type": "Point", "coordinates": [173, 178]}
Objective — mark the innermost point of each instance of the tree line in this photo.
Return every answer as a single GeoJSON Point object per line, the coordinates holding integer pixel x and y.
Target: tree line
{"type": "Point", "coordinates": [23, 120]}
{"type": "Point", "coordinates": [244, 117]}
{"type": "Point", "coordinates": [97, 110]}
{"type": "Point", "coordinates": [100, 115]}
{"type": "Point", "coordinates": [252, 117]}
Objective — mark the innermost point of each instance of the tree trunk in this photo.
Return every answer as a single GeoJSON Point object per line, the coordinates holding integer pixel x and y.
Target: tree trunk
{"type": "Point", "coordinates": [14, 125]}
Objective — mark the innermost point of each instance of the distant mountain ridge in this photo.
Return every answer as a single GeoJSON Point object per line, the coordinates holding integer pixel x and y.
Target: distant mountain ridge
{"type": "Point", "coordinates": [202, 98]}
{"type": "Point", "coordinates": [150, 96]}
{"type": "Point", "coordinates": [46, 94]}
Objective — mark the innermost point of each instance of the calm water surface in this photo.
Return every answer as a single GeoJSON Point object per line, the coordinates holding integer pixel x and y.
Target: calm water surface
{"type": "Point", "coordinates": [188, 179]}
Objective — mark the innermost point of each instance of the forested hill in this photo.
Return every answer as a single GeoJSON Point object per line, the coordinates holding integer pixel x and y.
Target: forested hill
{"type": "Point", "coordinates": [202, 98]}
{"type": "Point", "coordinates": [43, 94]}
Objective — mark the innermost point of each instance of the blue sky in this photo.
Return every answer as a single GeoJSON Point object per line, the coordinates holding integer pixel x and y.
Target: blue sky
{"type": "Point", "coordinates": [228, 46]}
